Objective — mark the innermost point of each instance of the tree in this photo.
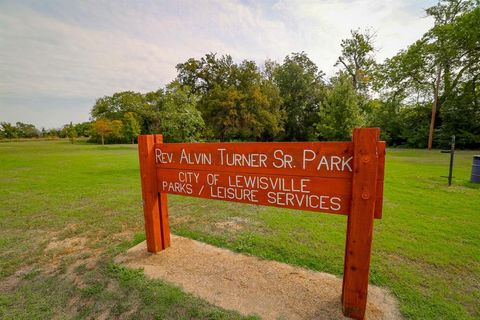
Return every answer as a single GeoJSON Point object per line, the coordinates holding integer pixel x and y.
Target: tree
{"type": "Point", "coordinates": [301, 89]}
{"type": "Point", "coordinates": [103, 128]}
{"type": "Point", "coordinates": [83, 128]}
{"type": "Point", "coordinates": [432, 69]}
{"type": "Point", "coordinates": [248, 110]}
{"type": "Point", "coordinates": [107, 130]}
{"type": "Point", "coordinates": [340, 111]}
{"type": "Point", "coordinates": [385, 114]}
{"type": "Point", "coordinates": [202, 75]}
{"type": "Point", "coordinates": [72, 133]}
{"type": "Point", "coordinates": [460, 116]}
{"type": "Point", "coordinates": [131, 127]}
{"type": "Point", "coordinates": [236, 101]}
{"type": "Point", "coordinates": [181, 121]}
{"type": "Point", "coordinates": [415, 122]}
{"type": "Point", "coordinates": [357, 58]}
{"type": "Point", "coordinates": [53, 133]}
{"type": "Point", "coordinates": [114, 108]}
{"type": "Point", "coordinates": [26, 130]}
{"type": "Point", "coordinates": [8, 130]}
{"type": "Point", "coordinates": [445, 55]}
{"type": "Point", "coordinates": [457, 47]}
{"type": "Point", "coordinates": [151, 121]}
{"type": "Point", "coordinates": [116, 131]}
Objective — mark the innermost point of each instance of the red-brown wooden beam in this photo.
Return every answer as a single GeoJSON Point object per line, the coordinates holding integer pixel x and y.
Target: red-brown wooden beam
{"type": "Point", "coordinates": [295, 192]}
{"type": "Point", "coordinates": [303, 158]}
{"type": "Point", "coordinates": [164, 223]}
{"type": "Point", "coordinates": [306, 160]}
{"type": "Point", "coordinates": [154, 204]}
{"type": "Point", "coordinates": [360, 222]}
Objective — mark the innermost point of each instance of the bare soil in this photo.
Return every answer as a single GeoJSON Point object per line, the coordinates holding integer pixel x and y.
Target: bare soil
{"type": "Point", "coordinates": [250, 285]}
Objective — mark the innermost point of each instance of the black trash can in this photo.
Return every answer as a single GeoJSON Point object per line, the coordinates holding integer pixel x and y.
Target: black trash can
{"type": "Point", "coordinates": [476, 169]}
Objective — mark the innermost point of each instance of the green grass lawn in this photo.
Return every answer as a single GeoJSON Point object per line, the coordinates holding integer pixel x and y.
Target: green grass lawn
{"type": "Point", "coordinates": [67, 210]}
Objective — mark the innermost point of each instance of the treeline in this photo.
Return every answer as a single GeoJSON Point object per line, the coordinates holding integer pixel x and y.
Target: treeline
{"type": "Point", "coordinates": [216, 98]}
{"type": "Point", "coordinates": [22, 130]}
{"type": "Point", "coordinates": [19, 130]}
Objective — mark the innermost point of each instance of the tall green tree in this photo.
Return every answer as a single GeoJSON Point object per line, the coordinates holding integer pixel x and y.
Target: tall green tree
{"type": "Point", "coordinates": [340, 110]}
{"type": "Point", "coordinates": [150, 116]}
{"type": "Point", "coordinates": [357, 58]}
{"type": "Point", "coordinates": [202, 75]}
{"type": "Point", "coordinates": [301, 88]}
{"type": "Point", "coordinates": [181, 120]}
{"type": "Point", "coordinates": [460, 116]}
{"type": "Point", "coordinates": [433, 68]}
{"type": "Point", "coordinates": [114, 108]}
{"type": "Point", "coordinates": [236, 101]}
{"type": "Point", "coordinates": [447, 51]}
{"type": "Point", "coordinates": [71, 132]}
{"type": "Point", "coordinates": [131, 127]}
{"type": "Point", "coordinates": [8, 130]}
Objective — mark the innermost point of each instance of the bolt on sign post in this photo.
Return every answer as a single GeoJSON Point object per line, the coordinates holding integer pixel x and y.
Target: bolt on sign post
{"type": "Point", "coordinates": [343, 178]}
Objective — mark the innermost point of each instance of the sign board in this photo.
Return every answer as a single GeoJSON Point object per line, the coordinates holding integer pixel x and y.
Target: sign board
{"type": "Point", "coordinates": [313, 176]}
{"type": "Point", "coordinates": [332, 177]}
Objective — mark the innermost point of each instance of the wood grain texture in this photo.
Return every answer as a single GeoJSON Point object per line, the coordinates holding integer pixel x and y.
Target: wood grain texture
{"type": "Point", "coordinates": [302, 193]}
{"type": "Point", "coordinates": [271, 166]}
{"type": "Point", "coordinates": [162, 198]}
{"type": "Point", "coordinates": [151, 205]}
{"type": "Point", "coordinates": [332, 160]}
{"type": "Point", "coordinates": [360, 222]}
{"type": "Point", "coordinates": [380, 179]}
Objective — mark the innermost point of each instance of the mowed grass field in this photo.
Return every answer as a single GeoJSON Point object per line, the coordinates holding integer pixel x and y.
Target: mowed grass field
{"type": "Point", "coordinates": [66, 210]}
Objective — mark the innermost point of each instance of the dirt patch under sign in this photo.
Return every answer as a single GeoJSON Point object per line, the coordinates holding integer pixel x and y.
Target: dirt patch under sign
{"type": "Point", "coordinates": [251, 285]}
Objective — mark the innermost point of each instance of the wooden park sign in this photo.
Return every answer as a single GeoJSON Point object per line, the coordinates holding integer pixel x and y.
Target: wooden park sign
{"type": "Point", "coordinates": [333, 177]}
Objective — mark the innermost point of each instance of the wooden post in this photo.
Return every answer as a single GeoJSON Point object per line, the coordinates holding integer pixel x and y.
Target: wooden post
{"type": "Point", "coordinates": [360, 222]}
{"type": "Point", "coordinates": [155, 208]}
{"type": "Point", "coordinates": [164, 223]}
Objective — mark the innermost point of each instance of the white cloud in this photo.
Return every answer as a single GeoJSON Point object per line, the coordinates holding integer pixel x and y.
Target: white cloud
{"type": "Point", "coordinates": [78, 51]}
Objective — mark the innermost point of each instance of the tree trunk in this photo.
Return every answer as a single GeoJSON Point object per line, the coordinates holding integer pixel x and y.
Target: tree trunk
{"type": "Point", "coordinates": [434, 109]}
{"type": "Point", "coordinates": [103, 140]}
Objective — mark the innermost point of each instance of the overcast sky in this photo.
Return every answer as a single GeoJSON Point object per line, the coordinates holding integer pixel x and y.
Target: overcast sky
{"type": "Point", "coordinates": [57, 57]}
